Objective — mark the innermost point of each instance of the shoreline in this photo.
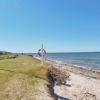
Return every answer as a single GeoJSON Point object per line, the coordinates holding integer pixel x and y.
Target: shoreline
{"type": "Point", "coordinates": [83, 83]}
{"type": "Point", "coordinates": [72, 65]}
{"type": "Point", "coordinates": [78, 70]}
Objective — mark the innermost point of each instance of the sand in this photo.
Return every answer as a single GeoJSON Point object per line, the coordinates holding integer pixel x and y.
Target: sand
{"type": "Point", "coordinates": [83, 85]}
{"type": "Point", "coordinates": [82, 88]}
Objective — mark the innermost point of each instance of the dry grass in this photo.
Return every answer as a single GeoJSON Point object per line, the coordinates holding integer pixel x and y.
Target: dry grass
{"type": "Point", "coordinates": [20, 78]}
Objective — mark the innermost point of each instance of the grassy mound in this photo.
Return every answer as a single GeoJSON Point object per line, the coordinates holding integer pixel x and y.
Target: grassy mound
{"type": "Point", "coordinates": [20, 77]}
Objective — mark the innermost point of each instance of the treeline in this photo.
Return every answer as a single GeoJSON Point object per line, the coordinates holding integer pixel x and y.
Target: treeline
{"type": "Point", "coordinates": [4, 53]}
{"type": "Point", "coordinates": [7, 55]}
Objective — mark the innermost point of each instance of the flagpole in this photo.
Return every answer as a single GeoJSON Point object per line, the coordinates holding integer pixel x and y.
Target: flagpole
{"type": "Point", "coordinates": [42, 54]}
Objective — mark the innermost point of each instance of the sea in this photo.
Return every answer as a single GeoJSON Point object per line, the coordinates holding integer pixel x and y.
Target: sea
{"type": "Point", "coordinates": [90, 60]}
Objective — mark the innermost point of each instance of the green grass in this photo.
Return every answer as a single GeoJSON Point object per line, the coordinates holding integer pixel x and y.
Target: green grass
{"type": "Point", "coordinates": [23, 71]}
{"type": "Point", "coordinates": [21, 77]}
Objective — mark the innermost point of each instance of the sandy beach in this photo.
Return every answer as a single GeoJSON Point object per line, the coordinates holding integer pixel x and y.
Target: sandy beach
{"type": "Point", "coordinates": [84, 84]}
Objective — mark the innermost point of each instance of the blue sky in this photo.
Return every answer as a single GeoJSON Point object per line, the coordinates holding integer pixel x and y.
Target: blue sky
{"type": "Point", "coordinates": [61, 25]}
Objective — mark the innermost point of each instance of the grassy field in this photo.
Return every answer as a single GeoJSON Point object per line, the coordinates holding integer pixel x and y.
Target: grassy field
{"type": "Point", "coordinates": [21, 77]}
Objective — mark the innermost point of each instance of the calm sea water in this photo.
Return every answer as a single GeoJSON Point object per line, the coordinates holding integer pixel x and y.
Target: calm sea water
{"type": "Point", "coordinates": [86, 60]}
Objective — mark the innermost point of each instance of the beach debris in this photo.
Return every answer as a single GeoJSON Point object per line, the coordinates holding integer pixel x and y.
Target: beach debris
{"type": "Point", "coordinates": [87, 96]}
{"type": "Point", "coordinates": [84, 95]}
{"type": "Point", "coordinates": [59, 75]}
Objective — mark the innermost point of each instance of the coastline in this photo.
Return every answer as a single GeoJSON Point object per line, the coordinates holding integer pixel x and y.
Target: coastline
{"type": "Point", "coordinates": [83, 84]}
{"type": "Point", "coordinates": [77, 70]}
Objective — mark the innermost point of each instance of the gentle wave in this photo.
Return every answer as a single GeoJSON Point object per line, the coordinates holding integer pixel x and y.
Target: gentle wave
{"type": "Point", "coordinates": [85, 60]}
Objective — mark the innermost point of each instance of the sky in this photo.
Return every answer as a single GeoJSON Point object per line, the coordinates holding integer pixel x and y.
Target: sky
{"type": "Point", "coordinates": [61, 25]}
